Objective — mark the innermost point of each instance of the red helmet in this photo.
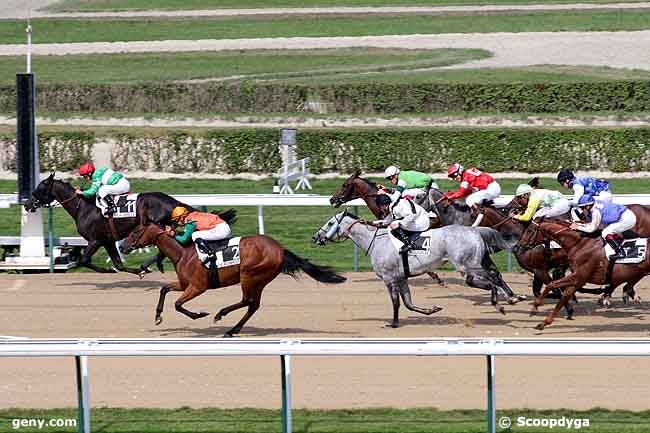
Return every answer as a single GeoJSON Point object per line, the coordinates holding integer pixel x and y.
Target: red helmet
{"type": "Point", "coordinates": [454, 169]}
{"type": "Point", "coordinates": [87, 169]}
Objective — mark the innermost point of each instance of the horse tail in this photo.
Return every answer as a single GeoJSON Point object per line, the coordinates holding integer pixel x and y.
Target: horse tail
{"type": "Point", "coordinates": [292, 263]}
{"type": "Point", "coordinates": [496, 241]}
{"type": "Point", "coordinates": [229, 216]}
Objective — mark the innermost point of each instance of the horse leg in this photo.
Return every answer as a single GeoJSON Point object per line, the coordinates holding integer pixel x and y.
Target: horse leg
{"type": "Point", "coordinates": [629, 292]}
{"type": "Point", "coordinates": [435, 277]}
{"type": "Point", "coordinates": [393, 291]}
{"type": "Point", "coordinates": [157, 259]}
{"type": "Point", "coordinates": [569, 280]}
{"type": "Point", "coordinates": [405, 293]}
{"type": "Point", "coordinates": [566, 297]}
{"type": "Point", "coordinates": [481, 280]}
{"type": "Point", "coordinates": [190, 293]}
{"type": "Point", "coordinates": [230, 308]}
{"type": "Point", "coordinates": [498, 280]}
{"type": "Point", "coordinates": [175, 286]}
{"type": "Point", "coordinates": [253, 306]}
{"type": "Point", "coordinates": [117, 261]}
{"type": "Point", "coordinates": [86, 259]}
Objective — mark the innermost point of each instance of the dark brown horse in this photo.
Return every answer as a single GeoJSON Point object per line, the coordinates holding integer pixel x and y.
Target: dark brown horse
{"type": "Point", "coordinates": [587, 261]}
{"type": "Point", "coordinates": [261, 260]}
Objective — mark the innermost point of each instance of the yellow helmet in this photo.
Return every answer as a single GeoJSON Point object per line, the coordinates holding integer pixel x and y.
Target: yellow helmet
{"type": "Point", "coordinates": [179, 212]}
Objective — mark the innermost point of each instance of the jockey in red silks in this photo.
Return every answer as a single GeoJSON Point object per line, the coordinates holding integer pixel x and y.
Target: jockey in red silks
{"type": "Point", "coordinates": [475, 186]}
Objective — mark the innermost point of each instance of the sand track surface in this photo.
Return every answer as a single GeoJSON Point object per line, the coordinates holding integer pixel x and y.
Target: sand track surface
{"type": "Point", "coordinates": [120, 305]}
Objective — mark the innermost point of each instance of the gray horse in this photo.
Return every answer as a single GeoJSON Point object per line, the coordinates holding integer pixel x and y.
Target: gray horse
{"type": "Point", "coordinates": [466, 247]}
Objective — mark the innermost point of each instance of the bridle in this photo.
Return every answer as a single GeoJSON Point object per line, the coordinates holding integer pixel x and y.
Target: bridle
{"type": "Point", "coordinates": [344, 234]}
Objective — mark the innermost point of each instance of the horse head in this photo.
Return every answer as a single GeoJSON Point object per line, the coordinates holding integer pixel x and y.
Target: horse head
{"type": "Point", "coordinates": [141, 236]}
{"type": "Point", "coordinates": [331, 230]}
{"type": "Point", "coordinates": [352, 188]}
{"type": "Point", "coordinates": [43, 195]}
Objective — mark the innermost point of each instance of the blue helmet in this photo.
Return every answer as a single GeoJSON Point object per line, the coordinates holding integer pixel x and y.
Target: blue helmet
{"type": "Point", "coordinates": [382, 199]}
{"type": "Point", "coordinates": [586, 200]}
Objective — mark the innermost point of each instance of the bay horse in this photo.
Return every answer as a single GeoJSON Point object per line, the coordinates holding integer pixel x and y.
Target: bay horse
{"type": "Point", "coordinates": [261, 260]}
{"type": "Point", "coordinates": [94, 227]}
{"type": "Point", "coordinates": [587, 261]}
{"type": "Point", "coordinates": [356, 186]}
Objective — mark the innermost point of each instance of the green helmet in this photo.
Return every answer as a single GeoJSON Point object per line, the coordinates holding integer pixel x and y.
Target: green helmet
{"type": "Point", "coordinates": [522, 189]}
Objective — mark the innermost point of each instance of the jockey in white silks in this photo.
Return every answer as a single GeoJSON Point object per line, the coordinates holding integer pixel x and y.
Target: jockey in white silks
{"type": "Point", "coordinates": [403, 217]}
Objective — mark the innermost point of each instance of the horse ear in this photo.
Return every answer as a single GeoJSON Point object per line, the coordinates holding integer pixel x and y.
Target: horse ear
{"type": "Point", "coordinates": [51, 175]}
{"type": "Point", "coordinates": [534, 182]}
{"type": "Point", "coordinates": [357, 172]}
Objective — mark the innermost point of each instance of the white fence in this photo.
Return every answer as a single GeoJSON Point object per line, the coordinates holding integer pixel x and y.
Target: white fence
{"type": "Point", "coordinates": [81, 349]}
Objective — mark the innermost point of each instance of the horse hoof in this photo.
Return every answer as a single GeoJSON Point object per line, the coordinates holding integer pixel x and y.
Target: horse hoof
{"type": "Point", "coordinates": [540, 326]}
{"type": "Point", "coordinates": [228, 335]}
{"type": "Point", "coordinates": [392, 325]}
{"type": "Point", "coordinates": [435, 309]}
{"type": "Point", "coordinates": [202, 314]}
{"type": "Point", "coordinates": [217, 318]}
{"type": "Point", "coordinates": [141, 274]}
{"type": "Point", "coordinates": [637, 299]}
{"type": "Point", "coordinates": [158, 321]}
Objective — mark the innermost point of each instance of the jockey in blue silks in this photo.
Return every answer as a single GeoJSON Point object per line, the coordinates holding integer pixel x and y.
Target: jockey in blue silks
{"type": "Point", "coordinates": [598, 189]}
{"type": "Point", "coordinates": [614, 218]}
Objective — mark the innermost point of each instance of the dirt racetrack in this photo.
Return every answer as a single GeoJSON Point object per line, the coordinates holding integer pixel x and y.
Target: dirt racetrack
{"type": "Point", "coordinates": [93, 305]}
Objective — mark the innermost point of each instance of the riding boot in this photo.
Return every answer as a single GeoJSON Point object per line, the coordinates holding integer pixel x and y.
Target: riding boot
{"type": "Point", "coordinates": [204, 247]}
{"type": "Point", "coordinates": [403, 237]}
{"type": "Point", "coordinates": [613, 241]}
{"type": "Point", "coordinates": [110, 205]}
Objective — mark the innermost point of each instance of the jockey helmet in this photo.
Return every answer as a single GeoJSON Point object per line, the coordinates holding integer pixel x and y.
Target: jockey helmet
{"type": "Point", "coordinates": [586, 200]}
{"type": "Point", "coordinates": [391, 171]}
{"type": "Point", "coordinates": [565, 175]}
{"type": "Point", "coordinates": [87, 169]}
{"type": "Point", "coordinates": [455, 169]}
{"type": "Point", "coordinates": [382, 200]}
{"type": "Point", "coordinates": [179, 212]}
{"type": "Point", "coordinates": [522, 189]}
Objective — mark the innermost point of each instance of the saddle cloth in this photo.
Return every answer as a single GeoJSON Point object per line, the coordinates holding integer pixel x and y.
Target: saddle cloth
{"type": "Point", "coordinates": [635, 250]}
{"type": "Point", "coordinates": [125, 204]}
{"type": "Point", "coordinates": [422, 241]}
{"type": "Point", "coordinates": [227, 252]}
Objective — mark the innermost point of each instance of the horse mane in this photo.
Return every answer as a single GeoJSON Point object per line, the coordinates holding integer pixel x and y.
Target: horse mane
{"type": "Point", "coordinates": [368, 181]}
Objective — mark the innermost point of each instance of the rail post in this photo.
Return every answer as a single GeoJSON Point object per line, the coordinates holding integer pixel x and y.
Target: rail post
{"type": "Point", "coordinates": [356, 248]}
{"type": "Point", "coordinates": [260, 219]}
{"type": "Point", "coordinates": [286, 393]}
{"type": "Point", "coordinates": [509, 269]}
{"type": "Point", "coordinates": [83, 396]}
{"type": "Point", "coordinates": [491, 405]}
{"type": "Point", "coordinates": [50, 237]}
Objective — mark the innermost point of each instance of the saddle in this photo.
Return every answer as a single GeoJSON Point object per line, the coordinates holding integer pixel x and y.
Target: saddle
{"type": "Point", "coordinates": [223, 253]}
{"type": "Point", "coordinates": [125, 205]}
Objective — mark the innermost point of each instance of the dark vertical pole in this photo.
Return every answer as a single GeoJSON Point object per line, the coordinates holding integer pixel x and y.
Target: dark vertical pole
{"type": "Point", "coordinates": [26, 143]}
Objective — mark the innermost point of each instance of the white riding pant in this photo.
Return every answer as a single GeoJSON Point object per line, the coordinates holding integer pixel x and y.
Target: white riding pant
{"type": "Point", "coordinates": [604, 196]}
{"type": "Point", "coordinates": [417, 194]}
{"type": "Point", "coordinates": [627, 221]}
{"type": "Point", "coordinates": [419, 224]}
{"type": "Point", "coordinates": [560, 207]}
{"type": "Point", "coordinates": [218, 232]}
{"type": "Point", "coordinates": [492, 191]}
{"type": "Point", "coordinates": [121, 187]}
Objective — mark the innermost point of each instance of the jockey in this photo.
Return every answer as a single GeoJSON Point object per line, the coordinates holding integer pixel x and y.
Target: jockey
{"type": "Point", "coordinates": [475, 185]}
{"type": "Point", "coordinates": [584, 185]}
{"type": "Point", "coordinates": [200, 227]}
{"type": "Point", "coordinates": [404, 218]}
{"type": "Point", "coordinates": [616, 217]}
{"type": "Point", "coordinates": [540, 203]}
{"type": "Point", "coordinates": [105, 183]}
{"type": "Point", "coordinates": [409, 183]}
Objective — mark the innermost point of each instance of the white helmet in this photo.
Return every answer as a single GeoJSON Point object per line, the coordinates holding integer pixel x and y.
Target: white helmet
{"type": "Point", "coordinates": [522, 189]}
{"type": "Point", "coordinates": [391, 171]}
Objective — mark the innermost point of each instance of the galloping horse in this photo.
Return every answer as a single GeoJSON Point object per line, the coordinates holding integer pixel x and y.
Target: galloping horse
{"type": "Point", "coordinates": [358, 187]}
{"type": "Point", "coordinates": [587, 261]}
{"type": "Point", "coordinates": [467, 248]}
{"type": "Point", "coordinates": [94, 227]}
{"type": "Point", "coordinates": [261, 260]}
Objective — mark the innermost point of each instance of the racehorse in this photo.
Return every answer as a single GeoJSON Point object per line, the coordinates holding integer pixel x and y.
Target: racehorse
{"type": "Point", "coordinates": [261, 260]}
{"type": "Point", "coordinates": [587, 261]}
{"type": "Point", "coordinates": [94, 227]}
{"type": "Point", "coordinates": [356, 186]}
{"type": "Point", "coordinates": [466, 247]}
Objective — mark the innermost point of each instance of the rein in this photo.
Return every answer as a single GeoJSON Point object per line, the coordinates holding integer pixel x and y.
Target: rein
{"type": "Point", "coordinates": [502, 222]}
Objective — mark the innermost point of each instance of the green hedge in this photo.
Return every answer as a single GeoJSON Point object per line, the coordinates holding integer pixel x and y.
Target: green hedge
{"type": "Point", "coordinates": [64, 151]}
{"type": "Point", "coordinates": [358, 98]}
{"type": "Point", "coordinates": [342, 150]}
